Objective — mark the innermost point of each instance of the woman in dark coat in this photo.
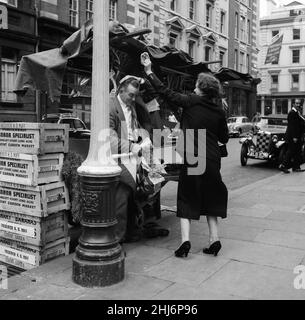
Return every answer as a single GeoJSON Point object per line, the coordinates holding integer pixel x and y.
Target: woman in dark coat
{"type": "Point", "coordinates": [200, 192]}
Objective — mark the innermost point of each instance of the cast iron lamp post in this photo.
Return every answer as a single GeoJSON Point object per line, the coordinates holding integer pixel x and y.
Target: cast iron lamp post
{"type": "Point", "coordinates": [99, 260]}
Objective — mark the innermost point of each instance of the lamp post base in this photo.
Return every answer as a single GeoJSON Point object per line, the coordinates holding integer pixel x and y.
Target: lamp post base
{"type": "Point", "coordinates": [98, 261]}
{"type": "Point", "coordinates": [98, 274]}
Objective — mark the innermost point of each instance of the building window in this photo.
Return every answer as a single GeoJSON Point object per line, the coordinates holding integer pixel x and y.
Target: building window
{"type": "Point", "coordinates": [275, 33]}
{"type": "Point", "coordinates": [235, 59]}
{"type": "Point", "coordinates": [173, 5]}
{"type": "Point", "coordinates": [296, 34]}
{"type": "Point", "coordinates": [274, 81]}
{"type": "Point", "coordinates": [173, 40]}
{"type": "Point", "coordinates": [144, 19]}
{"type": "Point", "coordinates": [295, 81]}
{"type": "Point", "coordinates": [296, 56]}
{"type": "Point", "coordinates": [248, 31]}
{"type": "Point", "coordinates": [113, 9]}
{"type": "Point", "coordinates": [207, 54]}
{"type": "Point", "coordinates": [8, 78]}
{"type": "Point", "coordinates": [74, 13]}
{"type": "Point", "coordinates": [191, 48]}
{"type": "Point", "coordinates": [248, 63]}
{"type": "Point", "coordinates": [89, 9]}
{"type": "Point", "coordinates": [192, 9]}
{"type": "Point", "coordinates": [236, 25]}
{"type": "Point", "coordinates": [242, 28]}
{"type": "Point", "coordinates": [221, 58]}
{"type": "Point", "coordinates": [242, 62]}
{"type": "Point", "coordinates": [222, 22]}
{"type": "Point", "coordinates": [208, 19]}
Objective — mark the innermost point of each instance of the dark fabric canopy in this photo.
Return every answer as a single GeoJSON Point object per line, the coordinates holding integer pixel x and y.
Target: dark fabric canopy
{"type": "Point", "coordinates": [45, 70]}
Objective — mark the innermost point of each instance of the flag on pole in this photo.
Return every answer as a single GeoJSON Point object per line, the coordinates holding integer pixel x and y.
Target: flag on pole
{"type": "Point", "coordinates": [274, 50]}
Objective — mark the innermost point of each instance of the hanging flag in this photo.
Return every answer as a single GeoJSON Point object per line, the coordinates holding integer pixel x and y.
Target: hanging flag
{"type": "Point", "coordinates": [274, 50]}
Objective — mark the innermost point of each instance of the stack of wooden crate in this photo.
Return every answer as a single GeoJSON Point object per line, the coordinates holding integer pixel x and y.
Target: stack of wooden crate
{"type": "Point", "coordinates": [33, 197]}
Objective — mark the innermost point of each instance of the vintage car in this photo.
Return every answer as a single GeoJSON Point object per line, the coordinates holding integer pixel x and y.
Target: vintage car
{"type": "Point", "coordinates": [240, 125]}
{"type": "Point", "coordinates": [77, 128]}
{"type": "Point", "coordinates": [269, 143]}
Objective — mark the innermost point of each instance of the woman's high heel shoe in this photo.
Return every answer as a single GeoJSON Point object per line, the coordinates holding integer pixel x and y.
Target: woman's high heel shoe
{"type": "Point", "coordinates": [184, 249]}
{"type": "Point", "coordinates": [214, 248]}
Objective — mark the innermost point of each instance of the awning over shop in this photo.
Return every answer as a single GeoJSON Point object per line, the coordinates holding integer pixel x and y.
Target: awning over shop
{"type": "Point", "coordinates": [45, 70]}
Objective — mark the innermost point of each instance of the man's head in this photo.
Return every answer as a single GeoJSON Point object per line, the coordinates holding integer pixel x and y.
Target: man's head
{"type": "Point", "coordinates": [129, 90]}
{"type": "Point", "coordinates": [298, 104]}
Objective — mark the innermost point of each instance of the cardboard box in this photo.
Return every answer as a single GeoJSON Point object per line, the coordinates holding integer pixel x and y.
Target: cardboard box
{"type": "Point", "coordinates": [34, 138]}
{"type": "Point", "coordinates": [30, 170]}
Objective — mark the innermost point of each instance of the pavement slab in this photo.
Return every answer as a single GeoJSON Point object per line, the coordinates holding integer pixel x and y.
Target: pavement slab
{"type": "Point", "coordinates": [254, 281]}
{"type": "Point", "coordinates": [284, 239]}
{"type": "Point", "coordinates": [186, 292]}
{"type": "Point", "coordinates": [261, 254]}
{"type": "Point", "coordinates": [134, 287]}
{"type": "Point", "coordinates": [190, 271]}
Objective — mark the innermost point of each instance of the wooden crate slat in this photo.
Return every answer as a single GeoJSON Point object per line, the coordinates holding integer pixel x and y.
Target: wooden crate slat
{"type": "Point", "coordinates": [27, 257]}
{"type": "Point", "coordinates": [33, 230]}
{"type": "Point", "coordinates": [34, 138]}
{"type": "Point", "coordinates": [30, 170]}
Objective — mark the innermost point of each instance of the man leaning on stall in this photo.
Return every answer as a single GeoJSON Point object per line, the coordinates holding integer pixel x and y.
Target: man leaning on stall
{"type": "Point", "coordinates": [125, 138]}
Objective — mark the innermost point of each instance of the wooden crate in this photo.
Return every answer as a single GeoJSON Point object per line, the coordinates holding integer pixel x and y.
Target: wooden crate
{"type": "Point", "coordinates": [39, 201]}
{"type": "Point", "coordinates": [33, 230]}
{"type": "Point", "coordinates": [34, 138]}
{"type": "Point", "coordinates": [27, 256]}
{"type": "Point", "coordinates": [30, 170]}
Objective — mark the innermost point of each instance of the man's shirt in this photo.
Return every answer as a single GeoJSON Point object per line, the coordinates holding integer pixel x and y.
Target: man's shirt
{"type": "Point", "coordinates": [132, 134]}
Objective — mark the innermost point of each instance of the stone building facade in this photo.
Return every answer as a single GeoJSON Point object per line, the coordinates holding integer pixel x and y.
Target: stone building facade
{"type": "Point", "coordinates": [283, 81]}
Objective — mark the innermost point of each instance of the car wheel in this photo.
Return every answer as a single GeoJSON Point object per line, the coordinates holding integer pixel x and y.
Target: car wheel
{"type": "Point", "coordinates": [244, 155]}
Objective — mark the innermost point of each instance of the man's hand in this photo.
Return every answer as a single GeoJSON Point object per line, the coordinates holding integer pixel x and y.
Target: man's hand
{"type": "Point", "coordinates": [146, 62]}
{"type": "Point", "coordinates": [295, 140]}
{"type": "Point", "coordinates": [136, 149]}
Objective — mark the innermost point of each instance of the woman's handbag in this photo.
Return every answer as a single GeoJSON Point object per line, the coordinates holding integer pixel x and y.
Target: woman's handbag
{"type": "Point", "coordinates": [223, 150]}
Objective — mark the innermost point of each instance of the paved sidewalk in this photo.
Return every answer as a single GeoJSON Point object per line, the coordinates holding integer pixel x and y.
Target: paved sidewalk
{"type": "Point", "coordinates": [263, 241]}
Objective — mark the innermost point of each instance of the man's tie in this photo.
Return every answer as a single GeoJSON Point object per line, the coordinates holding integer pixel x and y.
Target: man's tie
{"type": "Point", "coordinates": [134, 123]}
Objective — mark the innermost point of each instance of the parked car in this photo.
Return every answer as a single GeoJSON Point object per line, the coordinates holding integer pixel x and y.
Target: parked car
{"type": "Point", "coordinates": [78, 128]}
{"type": "Point", "coordinates": [270, 141]}
{"type": "Point", "coordinates": [240, 125]}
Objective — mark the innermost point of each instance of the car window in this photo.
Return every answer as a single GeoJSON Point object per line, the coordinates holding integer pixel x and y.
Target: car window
{"type": "Point", "coordinates": [78, 124]}
{"type": "Point", "coordinates": [239, 120]}
{"type": "Point", "coordinates": [231, 120]}
{"type": "Point", "coordinates": [70, 122]}
{"type": "Point", "coordinates": [277, 122]}
{"type": "Point", "coordinates": [51, 120]}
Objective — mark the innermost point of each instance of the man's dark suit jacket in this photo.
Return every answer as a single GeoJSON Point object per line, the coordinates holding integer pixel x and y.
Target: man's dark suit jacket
{"type": "Point", "coordinates": [198, 113]}
{"type": "Point", "coordinates": [296, 126]}
{"type": "Point", "coordinates": [119, 138]}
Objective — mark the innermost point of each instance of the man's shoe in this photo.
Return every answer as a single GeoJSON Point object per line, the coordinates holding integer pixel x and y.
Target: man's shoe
{"type": "Point", "coordinates": [131, 238]}
{"type": "Point", "coordinates": [284, 169]}
{"type": "Point", "coordinates": [298, 170]}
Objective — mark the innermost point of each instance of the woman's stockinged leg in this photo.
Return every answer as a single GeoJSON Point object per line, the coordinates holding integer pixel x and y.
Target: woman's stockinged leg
{"type": "Point", "coordinates": [185, 229]}
{"type": "Point", "coordinates": [213, 229]}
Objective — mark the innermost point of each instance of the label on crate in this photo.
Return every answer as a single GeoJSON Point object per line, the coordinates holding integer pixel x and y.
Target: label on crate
{"type": "Point", "coordinates": [19, 138]}
{"type": "Point", "coordinates": [17, 254]}
{"type": "Point", "coordinates": [17, 228]}
{"type": "Point", "coordinates": [17, 169]}
{"type": "Point", "coordinates": [19, 200]}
